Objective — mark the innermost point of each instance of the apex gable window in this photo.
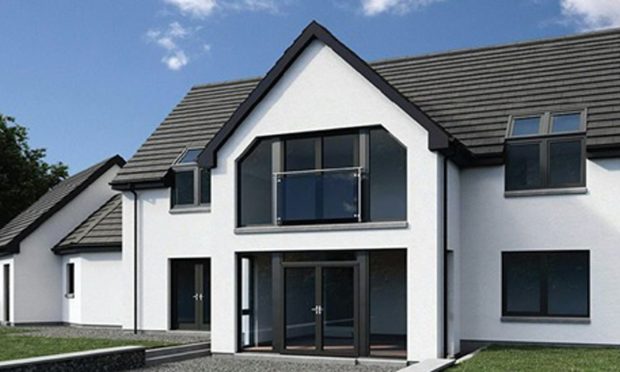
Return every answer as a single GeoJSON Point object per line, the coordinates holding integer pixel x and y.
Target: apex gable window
{"type": "Point", "coordinates": [545, 151]}
{"type": "Point", "coordinates": [338, 176]}
{"type": "Point", "coordinates": [192, 184]}
{"type": "Point", "coordinates": [546, 284]}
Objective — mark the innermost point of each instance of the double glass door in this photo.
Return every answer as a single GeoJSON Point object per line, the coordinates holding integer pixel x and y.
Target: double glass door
{"type": "Point", "coordinates": [191, 294]}
{"type": "Point", "coordinates": [320, 308]}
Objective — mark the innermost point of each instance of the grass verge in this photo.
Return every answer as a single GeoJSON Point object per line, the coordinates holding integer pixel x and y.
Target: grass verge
{"type": "Point", "coordinates": [538, 358]}
{"type": "Point", "coordinates": [15, 343]}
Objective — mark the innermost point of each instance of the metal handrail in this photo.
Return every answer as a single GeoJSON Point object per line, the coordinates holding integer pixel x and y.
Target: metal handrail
{"type": "Point", "coordinates": [322, 170]}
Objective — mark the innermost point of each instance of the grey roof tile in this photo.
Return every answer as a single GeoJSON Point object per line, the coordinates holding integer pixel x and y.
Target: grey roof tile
{"type": "Point", "coordinates": [23, 224]}
{"type": "Point", "coordinates": [471, 93]}
{"type": "Point", "coordinates": [101, 229]}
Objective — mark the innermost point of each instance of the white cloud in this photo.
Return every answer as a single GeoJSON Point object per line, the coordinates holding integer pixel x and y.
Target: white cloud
{"type": "Point", "coordinates": [592, 14]}
{"type": "Point", "coordinates": [375, 7]}
{"type": "Point", "coordinates": [175, 60]}
{"type": "Point", "coordinates": [204, 8]}
{"type": "Point", "coordinates": [195, 8]}
{"type": "Point", "coordinates": [168, 39]}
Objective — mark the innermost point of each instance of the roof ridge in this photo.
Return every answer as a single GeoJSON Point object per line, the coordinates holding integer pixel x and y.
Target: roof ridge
{"type": "Point", "coordinates": [534, 41]}
{"type": "Point", "coordinates": [447, 52]}
{"type": "Point", "coordinates": [228, 82]}
{"type": "Point", "coordinates": [96, 221]}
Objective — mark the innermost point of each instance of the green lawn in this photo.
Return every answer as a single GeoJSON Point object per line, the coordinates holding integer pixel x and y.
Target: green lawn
{"type": "Point", "coordinates": [16, 344]}
{"type": "Point", "coordinates": [537, 358]}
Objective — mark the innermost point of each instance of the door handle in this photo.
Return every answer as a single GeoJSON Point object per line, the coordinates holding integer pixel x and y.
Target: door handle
{"type": "Point", "coordinates": [318, 310]}
{"type": "Point", "coordinates": [200, 297]}
{"type": "Point", "coordinates": [195, 296]}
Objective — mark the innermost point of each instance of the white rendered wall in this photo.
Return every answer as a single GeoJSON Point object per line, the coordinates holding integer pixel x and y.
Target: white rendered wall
{"type": "Point", "coordinates": [39, 289]}
{"type": "Point", "coordinates": [97, 289]}
{"type": "Point", "coordinates": [320, 91]}
{"type": "Point", "coordinates": [491, 224]}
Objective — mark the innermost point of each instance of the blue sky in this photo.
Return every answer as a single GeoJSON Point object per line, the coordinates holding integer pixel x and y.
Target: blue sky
{"type": "Point", "coordinates": [94, 78]}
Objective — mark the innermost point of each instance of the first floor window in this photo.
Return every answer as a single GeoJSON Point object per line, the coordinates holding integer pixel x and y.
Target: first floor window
{"type": "Point", "coordinates": [70, 291]}
{"type": "Point", "coordinates": [554, 284]}
{"type": "Point", "coordinates": [544, 152]}
{"type": "Point", "coordinates": [192, 184]}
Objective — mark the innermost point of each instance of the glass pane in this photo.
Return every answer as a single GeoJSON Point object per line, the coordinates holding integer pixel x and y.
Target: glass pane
{"type": "Point", "coordinates": [190, 156]}
{"type": "Point", "coordinates": [183, 188]}
{"type": "Point", "coordinates": [523, 166]}
{"type": "Point", "coordinates": [300, 154]}
{"type": "Point", "coordinates": [565, 163]}
{"type": "Point", "coordinates": [256, 303]}
{"type": "Point", "coordinates": [297, 197]}
{"type": "Point", "coordinates": [318, 196]}
{"type": "Point", "coordinates": [565, 123]}
{"type": "Point", "coordinates": [205, 186]}
{"type": "Point", "coordinates": [388, 303]}
{"type": "Point", "coordinates": [340, 151]}
{"type": "Point", "coordinates": [185, 291]}
{"type": "Point", "coordinates": [338, 309]}
{"type": "Point", "coordinates": [567, 281]}
{"type": "Point", "coordinates": [522, 276]}
{"type": "Point", "coordinates": [388, 178]}
{"type": "Point", "coordinates": [300, 326]}
{"type": "Point", "coordinates": [340, 195]}
{"type": "Point", "coordinates": [526, 126]}
{"type": "Point", "coordinates": [255, 174]}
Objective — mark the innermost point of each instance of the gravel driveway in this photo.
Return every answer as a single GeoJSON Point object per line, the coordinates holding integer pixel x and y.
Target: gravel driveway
{"type": "Point", "coordinates": [116, 334]}
{"type": "Point", "coordinates": [230, 364]}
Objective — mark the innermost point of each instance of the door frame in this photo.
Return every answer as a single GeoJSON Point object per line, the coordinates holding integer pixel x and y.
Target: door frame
{"type": "Point", "coordinates": [6, 272]}
{"type": "Point", "coordinates": [200, 266]}
{"type": "Point", "coordinates": [277, 283]}
{"type": "Point", "coordinates": [319, 341]}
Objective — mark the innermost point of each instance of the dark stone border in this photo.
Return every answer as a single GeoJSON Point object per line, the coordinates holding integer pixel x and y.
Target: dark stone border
{"type": "Point", "coordinates": [109, 359]}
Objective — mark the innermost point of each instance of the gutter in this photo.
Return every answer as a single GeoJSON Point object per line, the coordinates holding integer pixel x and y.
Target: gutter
{"type": "Point", "coordinates": [135, 260]}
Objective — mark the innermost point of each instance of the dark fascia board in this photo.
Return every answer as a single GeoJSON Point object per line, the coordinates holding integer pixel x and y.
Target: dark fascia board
{"type": "Point", "coordinates": [163, 182]}
{"type": "Point", "coordinates": [439, 139]}
{"type": "Point", "coordinates": [13, 246]}
{"type": "Point", "coordinates": [86, 248]}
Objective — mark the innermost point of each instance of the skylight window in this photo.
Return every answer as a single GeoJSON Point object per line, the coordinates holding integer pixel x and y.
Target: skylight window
{"type": "Point", "coordinates": [190, 156]}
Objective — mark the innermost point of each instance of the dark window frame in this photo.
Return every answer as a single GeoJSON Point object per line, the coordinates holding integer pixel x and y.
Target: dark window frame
{"type": "Point", "coordinates": [543, 289]}
{"type": "Point", "coordinates": [197, 183]}
{"type": "Point", "coordinates": [545, 138]}
{"type": "Point", "coordinates": [70, 280]}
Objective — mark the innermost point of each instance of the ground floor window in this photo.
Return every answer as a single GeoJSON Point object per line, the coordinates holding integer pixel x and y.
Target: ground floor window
{"type": "Point", "coordinates": [546, 284]}
{"type": "Point", "coordinates": [348, 303]}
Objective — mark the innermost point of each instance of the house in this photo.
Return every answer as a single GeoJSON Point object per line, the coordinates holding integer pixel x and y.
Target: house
{"type": "Point", "coordinates": [402, 208]}
{"type": "Point", "coordinates": [40, 280]}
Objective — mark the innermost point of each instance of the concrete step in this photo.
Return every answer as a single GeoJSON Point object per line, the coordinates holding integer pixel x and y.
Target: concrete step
{"type": "Point", "coordinates": [429, 365]}
{"type": "Point", "coordinates": [177, 353]}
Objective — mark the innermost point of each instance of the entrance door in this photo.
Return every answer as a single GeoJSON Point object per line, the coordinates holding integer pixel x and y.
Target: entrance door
{"type": "Point", "coordinates": [320, 309]}
{"type": "Point", "coordinates": [191, 294]}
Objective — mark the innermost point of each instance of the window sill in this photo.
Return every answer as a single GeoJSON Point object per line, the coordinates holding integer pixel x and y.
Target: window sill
{"type": "Point", "coordinates": [326, 227]}
{"type": "Point", "coordinates": [545, 319]}
{"type": "Point", "coordinates": [543, 192]}
{"type": "Point", "coordinates": [191, 209]}
{"type": "Point", "coordinates": [69, 295]}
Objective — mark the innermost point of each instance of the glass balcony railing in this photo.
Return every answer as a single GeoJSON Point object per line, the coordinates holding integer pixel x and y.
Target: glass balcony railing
{"type": "Point", "coordinates": [319, 196]}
